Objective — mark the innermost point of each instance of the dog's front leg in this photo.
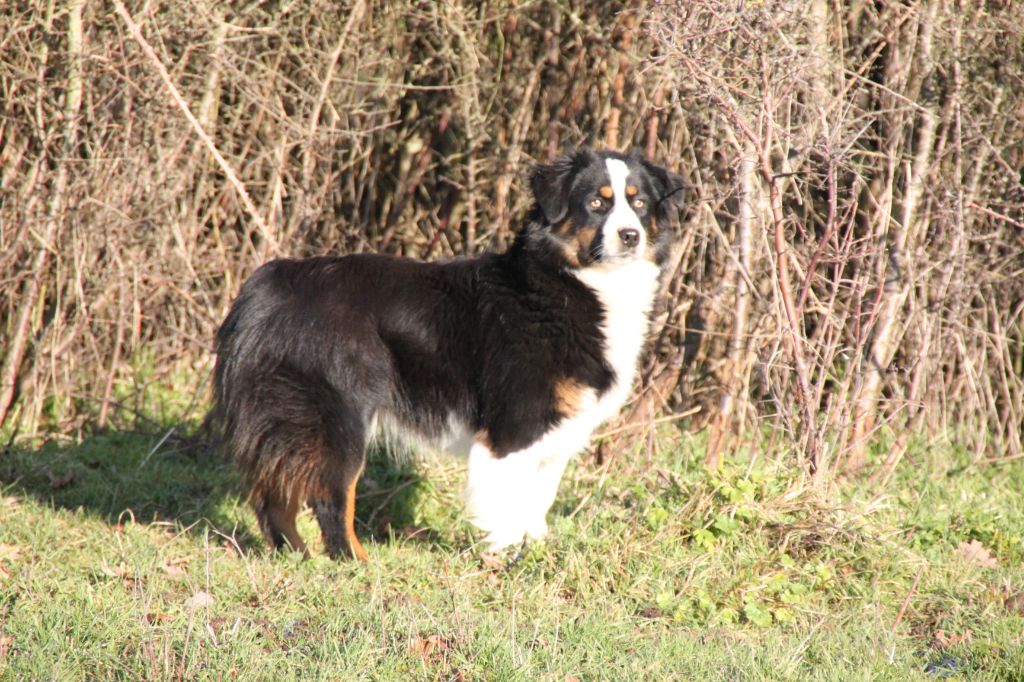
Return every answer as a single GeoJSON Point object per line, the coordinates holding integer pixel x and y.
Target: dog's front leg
{"type": "Point", "coordinates": [544, 489]}
{"type": "Point", "coordinates": [509, 497]}
{"type": "Point", "coordinates": [495, 496]}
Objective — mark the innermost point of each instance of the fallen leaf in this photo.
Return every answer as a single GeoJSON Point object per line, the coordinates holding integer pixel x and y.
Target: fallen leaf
{"type": "Point", "coordinates": [7, 553]}
{"type": "Point", "coordinates": [127, 576]}
{"type": "Point", "coordinates": [119, 571]}
{"type": "Point", "coordinates": [430, 648]}
{"type": "Point", "coordinates": [976, 553]}
{"type": "Point", "coordinates": [652, 612]}
{"type": "Point", "coordinates": [175, 567]}
{"type": "Point", "coordinates": [1015, 602]}
{"type": "Point", "coordinates": [200, 600]}
{"type": "Point", "coordinates": [945, 641]}
{"type": "Point", "coordinates": [153, 618]}
{"type": "Point", "coordinates": [492, 561]}
{"type": "Point", "coordinates": [415, 532]}
{"type": "Point", "coordinates": [58, 481]}
{"type": "Point", "coordinates": [382, 526]}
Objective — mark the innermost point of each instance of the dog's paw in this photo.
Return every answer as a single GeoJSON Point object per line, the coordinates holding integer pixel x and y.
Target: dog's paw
{"type": "Point", "coordinates": [537, 530]}
{"type": "Point", "coordinates": [497, 541]}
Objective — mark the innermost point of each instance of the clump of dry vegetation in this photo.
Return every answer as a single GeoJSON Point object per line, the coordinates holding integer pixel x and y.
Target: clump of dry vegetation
{"type": "Point", "coordinates": [852, 259]}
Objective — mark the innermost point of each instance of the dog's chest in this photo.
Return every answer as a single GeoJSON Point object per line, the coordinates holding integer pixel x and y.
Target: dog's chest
{"type": "Point", "coordinates": [627, 295]}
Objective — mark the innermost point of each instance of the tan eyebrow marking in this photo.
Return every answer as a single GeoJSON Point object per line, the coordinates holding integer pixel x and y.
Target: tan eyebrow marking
{"type": "Point", "coordinates": [631, 191]}
{"type": "Point", "coordinates": [606, 192]}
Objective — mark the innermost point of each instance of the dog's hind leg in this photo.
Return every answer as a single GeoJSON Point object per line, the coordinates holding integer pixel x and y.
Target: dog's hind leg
{"type": "Point", "coordinates": [277, 520]}
{"type": "Point", "coordinates": [333, 491]}
{"type": "Point", "coordinates": [335, 509]}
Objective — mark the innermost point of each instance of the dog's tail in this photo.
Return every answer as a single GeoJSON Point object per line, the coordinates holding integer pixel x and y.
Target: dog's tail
{"type": "Point", "coordinates": [280, 420]}
{"type": "Point", "coordinates": [262, 415]}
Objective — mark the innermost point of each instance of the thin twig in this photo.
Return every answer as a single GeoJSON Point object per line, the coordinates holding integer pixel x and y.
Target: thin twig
{"type": "Point", "coordinates": [633, 426]}
{"type": "Point", "coordinates": [314, 117]}
{"type": "Point", "coordinates": [270, 243]}
{"type": "Point", "coordinates": [906, 600]}
{"type": "Point", "coordinates": [998, 216]}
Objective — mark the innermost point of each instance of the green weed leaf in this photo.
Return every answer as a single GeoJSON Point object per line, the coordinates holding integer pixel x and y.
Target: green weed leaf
{"type": "Point", "coordinates": [656, 518]}
{"type": "Point", "coordinates": [757, 614]}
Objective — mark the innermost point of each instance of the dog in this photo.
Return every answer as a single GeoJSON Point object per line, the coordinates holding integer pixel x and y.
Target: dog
{"type": "Point", "coordinates": [509, 359]}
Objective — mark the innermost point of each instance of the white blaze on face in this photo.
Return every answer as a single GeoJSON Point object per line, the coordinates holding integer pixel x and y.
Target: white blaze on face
{"type": "Point", "coordinates": [622, 215]}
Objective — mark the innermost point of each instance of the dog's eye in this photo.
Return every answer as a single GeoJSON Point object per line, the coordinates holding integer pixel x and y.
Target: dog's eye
{"type": "Point", "coordinates": [638, 203]}
{"type": "Point", "coordinates": [597, 203]}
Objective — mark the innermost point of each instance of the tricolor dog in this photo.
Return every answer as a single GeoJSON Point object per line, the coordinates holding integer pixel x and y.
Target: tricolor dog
{"type": "Point", "coordinates": [511, 359]}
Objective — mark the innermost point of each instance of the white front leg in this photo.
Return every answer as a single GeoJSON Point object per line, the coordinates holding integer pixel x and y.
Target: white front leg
{"type": "Point", "coordinates": [493, 496]}
{"type": "Point", "coordinates": [548, 478]}
{"type": "Point", "coordinates": [509, 498]}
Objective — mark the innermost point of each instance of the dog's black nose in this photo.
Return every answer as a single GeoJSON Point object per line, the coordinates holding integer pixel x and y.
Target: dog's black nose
{"type": "Point", "coordinates": [630, 237]}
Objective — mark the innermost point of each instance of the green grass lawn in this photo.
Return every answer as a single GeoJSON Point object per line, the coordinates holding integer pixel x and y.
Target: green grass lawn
{"type": "Point", "coordinates": [120, 559]}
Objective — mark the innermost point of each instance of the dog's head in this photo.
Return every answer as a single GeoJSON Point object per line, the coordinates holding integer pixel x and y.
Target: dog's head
{"type": "Point", "coordinates": [603, 208]}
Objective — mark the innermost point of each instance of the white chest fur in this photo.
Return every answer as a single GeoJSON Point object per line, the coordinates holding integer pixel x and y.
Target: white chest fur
{"type": "Point", "coordinates": [627, 294]}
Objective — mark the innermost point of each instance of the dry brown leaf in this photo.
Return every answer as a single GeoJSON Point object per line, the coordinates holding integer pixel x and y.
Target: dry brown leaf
{"type": "Point", "coordinates": [976, 553]}
{"type": "Point", "coordinates": [200, 600]}
{"type": "Point", "coordinates": [127, 576]}
{"type": "Point", "coordinates": [415, 532]}
{"type": "Point", "coordinates": [8, 553]}
{"type": "Point", "coordinates": [430, 648]}
{"type": "Point", "coordinates": [492, 561]}
{"type": "Point", "coordinates": [1015, 602]}
{"type": "Point", "coordinates": [945, 641]}
{"type": "Point", "coordinates": [652, 612]}
{"type": "Point", "coordinates": [119, 571]}
{"type": "Point", "coordinates": [175, 567]}
{"type": "Point", "coordinates": [58, 481]}
{"type": "Point", "coordinates": [154, 618]}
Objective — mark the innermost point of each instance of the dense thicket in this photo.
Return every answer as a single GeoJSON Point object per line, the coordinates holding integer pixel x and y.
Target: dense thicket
{"type": "Point", "coordinates": [852, 256]}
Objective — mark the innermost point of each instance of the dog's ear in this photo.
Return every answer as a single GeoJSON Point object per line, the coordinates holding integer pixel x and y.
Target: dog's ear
{"type": "Point", "coordinates": [670, 188]}
{"type": "Point", "coordinates": [551, 183]}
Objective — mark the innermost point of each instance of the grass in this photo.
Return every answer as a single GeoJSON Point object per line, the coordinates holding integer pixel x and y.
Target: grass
{"type": "Point", "coordinates": [123, 560]}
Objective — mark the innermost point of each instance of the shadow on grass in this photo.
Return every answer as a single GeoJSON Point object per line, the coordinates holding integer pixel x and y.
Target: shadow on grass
{"type": "Point", "coordinates": [165, 477]}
